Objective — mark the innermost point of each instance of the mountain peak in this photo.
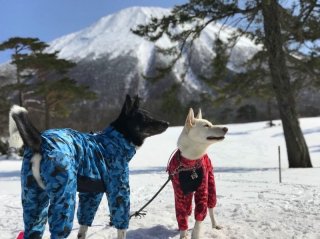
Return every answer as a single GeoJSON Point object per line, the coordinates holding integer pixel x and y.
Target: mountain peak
{"type": "Point", "coordinates": [130, 17]}
{"type": "Point", "coordinates": [111, 34]}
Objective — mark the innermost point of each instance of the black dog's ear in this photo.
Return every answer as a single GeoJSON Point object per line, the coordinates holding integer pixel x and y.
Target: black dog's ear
{"type": "Point", "coordinates": [136, 102]}
{"type": "Point", "coordinates": [127, 105]}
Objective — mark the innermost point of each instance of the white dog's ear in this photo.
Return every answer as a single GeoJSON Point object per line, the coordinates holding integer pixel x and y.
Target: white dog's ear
{"type": "Point", "coordinates": [199, 115]}
{"type": "Point", "coordinates": [190, 119]}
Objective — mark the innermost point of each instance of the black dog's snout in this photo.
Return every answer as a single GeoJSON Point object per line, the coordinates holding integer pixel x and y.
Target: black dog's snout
{"type": "Point", "coordinates": [225, 129]}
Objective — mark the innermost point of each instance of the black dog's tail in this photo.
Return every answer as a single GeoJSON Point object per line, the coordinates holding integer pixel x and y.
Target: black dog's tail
{"type": "Point", "coordinates": [22, 131]}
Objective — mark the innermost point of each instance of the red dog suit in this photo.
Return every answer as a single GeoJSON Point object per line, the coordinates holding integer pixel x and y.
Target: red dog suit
{"type": "Point", "coordinates": [185, 173]}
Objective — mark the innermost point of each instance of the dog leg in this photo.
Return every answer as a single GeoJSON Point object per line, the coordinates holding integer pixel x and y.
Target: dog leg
{"type": "Point", "coordinates": [183, 234]}
{"type": "Point", "coordinates": [196, 230]}
{"type": "Point", "coordinates": [122, 234]}
{"type": "Point", "coordinates": [82, 232]}
{"type": "Point", "coordinates": [87, 207]}
{"type": "Point", "coordinates": [61, 183]}
{"type": "Point", "coordinates": [213, 220]}
{"type": "Point", "coordinates": [35, 202]}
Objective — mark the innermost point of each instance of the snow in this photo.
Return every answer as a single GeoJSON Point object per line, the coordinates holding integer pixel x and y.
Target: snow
{"type": "Point", "coordinates": [243, 49]}
{"type": "Point", "coordinates": [112, 36]}
{"type": "Point", "coordinates": [251, 201]}
{"type": "Point", "coordinates": [7, 71]}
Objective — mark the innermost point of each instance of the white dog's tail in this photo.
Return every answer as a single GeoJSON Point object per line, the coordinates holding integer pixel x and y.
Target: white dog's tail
{"type": "Point", "coordinates": [22, 132]}
{"type": "Point", "coordinates": [36, 159]}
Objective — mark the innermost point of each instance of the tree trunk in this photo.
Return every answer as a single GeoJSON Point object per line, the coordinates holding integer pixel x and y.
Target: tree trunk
{"type": "Point", "coordinates": [271, 124]}
{"type": "Point", "coordinates": [298, 153]}
{"type": "Point", "coordinates": [18, 72]}
{"type": "Point", "coordinates": [19, 82]}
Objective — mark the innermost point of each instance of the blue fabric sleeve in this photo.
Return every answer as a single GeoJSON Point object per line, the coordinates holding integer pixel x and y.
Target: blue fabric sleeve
{"type": "Point", "coordinates": [88, 206]}
{"type": "Point", "coordinates": [119, 199]}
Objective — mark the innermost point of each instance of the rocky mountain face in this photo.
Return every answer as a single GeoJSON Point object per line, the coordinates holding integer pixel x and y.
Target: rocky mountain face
{"type": "Point", "coordinates": [114, 62]}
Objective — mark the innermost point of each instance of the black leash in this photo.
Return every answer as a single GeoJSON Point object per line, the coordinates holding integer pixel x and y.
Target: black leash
{"type": "Point", "coordinates": [140, 212]}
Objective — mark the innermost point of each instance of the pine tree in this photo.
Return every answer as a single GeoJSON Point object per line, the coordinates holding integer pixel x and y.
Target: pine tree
{"type": "Point", "coordinates": [20, 47]}
{"type": "Point", "coordinates": [4, 109]}
{"type": "Point", "coordinates": [42, 80]}
{"type": "Point", "coordinates": [265, 22]}
{"type": "Point", "coordinates": [252, 82]}
{"type": "Point", "coordinates": [54, 90]}
{"type": "Point", "coordinates": [57, 95]}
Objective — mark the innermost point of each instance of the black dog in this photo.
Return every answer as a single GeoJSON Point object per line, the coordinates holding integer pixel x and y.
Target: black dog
{"type": "Point", "coordinates": [57, 162]}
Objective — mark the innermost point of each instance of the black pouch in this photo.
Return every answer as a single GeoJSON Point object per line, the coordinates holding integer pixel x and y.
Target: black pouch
{"type": "Point", "coordinates": [190, 180]}
{"type": "Point", "coordinates": [89, 185]}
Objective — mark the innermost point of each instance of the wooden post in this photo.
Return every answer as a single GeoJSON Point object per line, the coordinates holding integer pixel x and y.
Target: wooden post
{"type": "Point", "coordinates": [279, 154]}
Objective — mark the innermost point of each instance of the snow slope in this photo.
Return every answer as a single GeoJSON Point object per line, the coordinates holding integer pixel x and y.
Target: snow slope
{"type": "Point", "coordinates": [251, 202]}
{"type": "Point", "coordinates": [112, 35]}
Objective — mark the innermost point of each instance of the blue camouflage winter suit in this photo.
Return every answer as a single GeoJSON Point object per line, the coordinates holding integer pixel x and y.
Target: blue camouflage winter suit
{"type": "Point", "coordinates": [92, 163]}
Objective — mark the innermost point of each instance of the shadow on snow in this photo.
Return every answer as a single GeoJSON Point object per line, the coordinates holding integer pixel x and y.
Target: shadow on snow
{"type": "Point", "coordinates": [10, 174]}
{"type": "Point", "coordinates": [305, 132]}
{"type": "Point", "coordinates": [159, 170]}
{"type": "Point", "coordinates": [315, 149]}
{"type": "Point", "coordinates": [156, 232]}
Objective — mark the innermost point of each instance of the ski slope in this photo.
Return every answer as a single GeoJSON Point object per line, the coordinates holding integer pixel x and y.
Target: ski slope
{"type": "Point", "coordinates": [251, 201]}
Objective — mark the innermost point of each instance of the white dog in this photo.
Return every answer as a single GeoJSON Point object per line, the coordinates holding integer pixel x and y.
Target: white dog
{"type": "Point", "coordinates": [192, 173]}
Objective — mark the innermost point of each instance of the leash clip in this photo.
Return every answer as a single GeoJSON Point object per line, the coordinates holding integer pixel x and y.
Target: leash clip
{"type": "Point", "coordinates": [139, 214]}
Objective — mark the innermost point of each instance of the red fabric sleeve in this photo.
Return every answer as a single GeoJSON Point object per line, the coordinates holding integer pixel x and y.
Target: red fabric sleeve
{"type": "Point", "coordinates": [212, 197]}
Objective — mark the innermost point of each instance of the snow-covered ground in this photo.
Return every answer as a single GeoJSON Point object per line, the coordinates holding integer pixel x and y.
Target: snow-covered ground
{"type": "Point", "coordinates": [251, 201]}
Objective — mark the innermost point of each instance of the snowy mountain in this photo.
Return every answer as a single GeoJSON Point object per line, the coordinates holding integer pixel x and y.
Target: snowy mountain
{"type": "Point", "coordinates": [251, 203]}
{"type": "Point", "coordinates": [114, 61]}
{"type": "Point", "coordinates": [111, 36]}
{"type": "Point", "coordinates": [7, 72]}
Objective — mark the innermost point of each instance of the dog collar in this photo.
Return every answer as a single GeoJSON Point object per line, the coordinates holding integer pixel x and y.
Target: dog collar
{"type": "Point", "coordinates": [182, 168]}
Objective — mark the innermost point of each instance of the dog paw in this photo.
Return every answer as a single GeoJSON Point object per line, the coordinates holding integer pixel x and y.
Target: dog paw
{"type": "Point", "coordinates": [183, 235]}
{"type": "Point", "coordinates": [218, 227]}
{"type": "Point", "coordinates": [81, 236]}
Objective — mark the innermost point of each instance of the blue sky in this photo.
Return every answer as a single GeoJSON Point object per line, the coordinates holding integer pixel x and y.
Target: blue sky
{"type": "Point", "coordinates": [50, 19]}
